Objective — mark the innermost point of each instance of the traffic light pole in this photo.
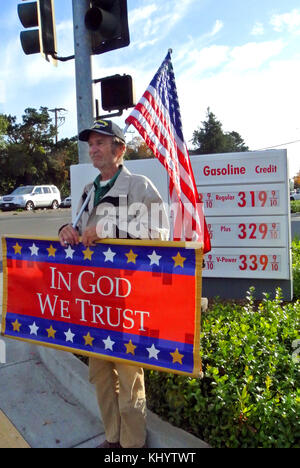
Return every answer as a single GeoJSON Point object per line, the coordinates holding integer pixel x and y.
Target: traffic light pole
{"type": "Point", "coordinates": [83, 71]}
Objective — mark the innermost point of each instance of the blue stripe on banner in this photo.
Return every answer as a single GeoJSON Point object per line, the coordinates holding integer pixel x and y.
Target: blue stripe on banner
{"type": "Point", "coordinates": [154, 259]}
{"type": "Point", "coordinates": [147, 350]}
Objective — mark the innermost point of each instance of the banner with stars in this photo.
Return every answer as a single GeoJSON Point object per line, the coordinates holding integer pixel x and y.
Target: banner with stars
{"type": "Point", "coordinates": [133, 301]}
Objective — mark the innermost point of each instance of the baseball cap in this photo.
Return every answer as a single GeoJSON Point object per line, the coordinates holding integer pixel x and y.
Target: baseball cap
{"type": "Point", "coordinates": [105, 127]}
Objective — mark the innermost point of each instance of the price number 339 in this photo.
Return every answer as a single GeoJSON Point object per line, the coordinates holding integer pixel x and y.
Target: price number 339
{"type": "Point", "coordinates": [258, 262]}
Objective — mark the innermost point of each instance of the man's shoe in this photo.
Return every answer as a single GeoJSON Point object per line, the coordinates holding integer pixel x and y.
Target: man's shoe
{"type": "Point", "coordinates": [109, 445]}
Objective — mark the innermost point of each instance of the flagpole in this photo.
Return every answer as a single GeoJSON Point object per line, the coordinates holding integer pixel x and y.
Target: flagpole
{"type": "Point", "coordinates": [74, 225]}
{"type": "Point", "coordinates": [126, 128]}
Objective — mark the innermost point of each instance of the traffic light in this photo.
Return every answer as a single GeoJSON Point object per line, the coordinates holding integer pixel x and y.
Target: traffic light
{"type": "Point", "coordinates": [117, 92]}
{"type": "Point", "coordinates": [108, 22]}
{"type": "Point", "coordinates": [38, 15]}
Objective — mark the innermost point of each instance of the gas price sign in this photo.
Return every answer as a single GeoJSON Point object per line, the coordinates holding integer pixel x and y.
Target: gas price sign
{"type": "Point", "coordinates": [245, 231]}
{"type": "Point", "coordinates": [246, 205]}
{"type": "Point", "coordinates": [243, 200]}
{"type": "Point", "coordinates": [258, 263]}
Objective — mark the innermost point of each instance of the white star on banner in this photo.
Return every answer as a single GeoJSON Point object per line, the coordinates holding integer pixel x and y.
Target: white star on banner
{"type": "Point", "coordinates": [108, 343]}
{"type": "Point", "coordinates": [154, 258]}
{"type": "Point", "coordinates": [153, 352]}
{"type": "Point", "coordinates": [34, 249]}
{"type": "Point", "coordinates": [33, 329]}
{"type": "Point", "coordinates": [69, 252]}
{"type": "Point", "coordinates": [109, 255]}
{"type": "Point", "coordinates": [69, 335]}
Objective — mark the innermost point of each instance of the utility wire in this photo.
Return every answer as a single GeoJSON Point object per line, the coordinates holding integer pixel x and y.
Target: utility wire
{"type": "Point", "coordinates": [276, 146]}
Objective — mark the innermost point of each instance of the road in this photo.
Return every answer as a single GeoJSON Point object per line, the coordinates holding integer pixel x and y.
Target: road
{"type": "Point", "coordinates": [32, 223]}
{"type": "Point", "coordinates": [47, 222]}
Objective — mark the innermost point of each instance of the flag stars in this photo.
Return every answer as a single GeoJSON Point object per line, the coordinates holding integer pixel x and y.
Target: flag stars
{"type": "Point", "coordinates": [33, 329]}
{"type": "Point", "coordinates": [17, 248]}
{"type": "Point", "coordinates": [109, 255]}
{"type": "Point", "coordinates": [69, 252]}
{"type": "Point", "coordinates": [177, 357]}
{"type": "Point", "coordinates": [69, 335]}
{"type": "Point", "coordinates": [51, 332]}
{"type": "Point", "coordinates": [88, 339]}
{"type": "Point", "coordinates": [34, 249]}
{"type": "Point", "coordinates": [108, 343]}
{"type": "Point", "coordinates": [51, 251]}
{"type": "Point", "coordinates": [178, 260]}
{"type": "Point", "coordinates": [16, 326]}
{"type": "Point", "coordinates": [154, 258]}
{"type": "Point", "coordinates": [153, 352]}
{"type": "Point", "coordinates": [130, 348]}
{"type": "Point", "coordinates": [88, 254]}
{"type": "Point", "coordinates": [131, 257]}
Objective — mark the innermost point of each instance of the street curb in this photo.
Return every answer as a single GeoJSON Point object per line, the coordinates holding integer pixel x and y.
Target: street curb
{"type": "Point", "coordinates": [73, 374]}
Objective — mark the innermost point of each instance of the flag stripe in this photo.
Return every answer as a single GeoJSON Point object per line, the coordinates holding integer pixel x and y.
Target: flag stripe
{"type": "Point", "coordinates": [185, 192]}
{"type": "Point", "coordinates": [164, 148]}
{"type": "Point", "coordinates": [157, 119]}
{"type": "Point", "coordinates": [154, 115]}
{"type": "Point", "coordinates": [144, 108]}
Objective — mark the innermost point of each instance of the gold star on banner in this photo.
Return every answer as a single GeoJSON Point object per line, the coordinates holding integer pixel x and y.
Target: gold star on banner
{"type": "Point", "coordinates": [87, 254]}
{"type": "Point", "coordinates": [178, 260]}
{"type": "Point", "coordinates": [130, 347]}
{"type": "Point", "coordinates": [16, 325]}
{"type": "Point", "coordinates": [17, 248]}
{"type": "Point", "coordinates": [51, 332]}
{"type": "Point", "coordinates": [131, 257]}
{"type": "Point", "coordinates": [51, 251]}
{"type": "Point", "coordinates": [177, 357]}
{"type": "Point", "coordinates": [88, 339]}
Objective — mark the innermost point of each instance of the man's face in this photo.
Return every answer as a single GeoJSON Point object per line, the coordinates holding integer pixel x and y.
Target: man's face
{"type": "Point", "coordinates": [102, 152]}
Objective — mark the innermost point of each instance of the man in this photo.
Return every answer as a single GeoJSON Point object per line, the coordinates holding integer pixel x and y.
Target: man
{"type": "Point", "coordinates": [120, 387]}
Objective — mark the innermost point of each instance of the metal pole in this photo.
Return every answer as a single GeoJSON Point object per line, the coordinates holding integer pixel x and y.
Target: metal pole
{"type": "Point", "coordinates": [83, 70]}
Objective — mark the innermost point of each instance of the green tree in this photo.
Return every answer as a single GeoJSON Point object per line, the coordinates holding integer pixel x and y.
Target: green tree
{"type": "Point", "coordinates": [297, 180]}
{"type": "Point", "coordinates": [4, 122]}
{"type": "Point", "coordinates": [211, 138]}
{"type": "Point", "coordinates": [30, 155]}
{"type": "Point", "coordinates": [29, 143]}
{"type": "Point", "coordinates": [61, 158]}
{"type": "Point", "coordinates": [138, 149]}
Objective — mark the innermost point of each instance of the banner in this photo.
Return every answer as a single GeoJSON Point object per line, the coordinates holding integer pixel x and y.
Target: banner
{"type": "Point", "coordinates": [132, 301]}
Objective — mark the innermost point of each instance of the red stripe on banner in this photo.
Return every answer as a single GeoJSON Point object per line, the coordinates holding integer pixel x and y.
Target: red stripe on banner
{"type": "Point", "coordinates": [108, 299]}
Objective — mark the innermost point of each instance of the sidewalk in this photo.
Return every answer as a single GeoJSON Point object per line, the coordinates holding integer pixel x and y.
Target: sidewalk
{"type": "Point", "coordinates": [46, 401]}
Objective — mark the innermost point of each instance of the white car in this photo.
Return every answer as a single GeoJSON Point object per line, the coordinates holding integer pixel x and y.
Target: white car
{"type": "Point", "coordinates": [30, 197]}
{"type": "Point", "coordinates": [295, 196]}
{"type": "Point", "coordinates": [67, 202]}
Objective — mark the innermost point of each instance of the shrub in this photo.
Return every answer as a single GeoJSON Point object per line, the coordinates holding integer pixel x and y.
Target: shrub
{"type": "Point", "coordinates": [296, 267]}
{"type": "Point", "coordinates": [249, 396]}
{"type": "Point", "coordinates": [295, 206]}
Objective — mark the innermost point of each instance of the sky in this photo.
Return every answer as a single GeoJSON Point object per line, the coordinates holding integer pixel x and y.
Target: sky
{"type": "Point", "coordinates": [240, 58]}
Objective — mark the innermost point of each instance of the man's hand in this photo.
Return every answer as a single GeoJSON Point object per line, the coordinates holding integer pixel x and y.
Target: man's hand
{"type": "Point", "coordinates": [89, 236]}
{"type": "Point", "coordinates": [68, 235]}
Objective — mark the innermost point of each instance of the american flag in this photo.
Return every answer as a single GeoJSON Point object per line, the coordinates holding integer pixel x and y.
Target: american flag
{"type": "Point", "coordinates": [157, 118]}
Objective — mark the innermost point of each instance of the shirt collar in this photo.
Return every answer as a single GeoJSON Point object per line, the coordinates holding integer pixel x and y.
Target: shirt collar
{"type": "Point", "coordinates": [110, 182]}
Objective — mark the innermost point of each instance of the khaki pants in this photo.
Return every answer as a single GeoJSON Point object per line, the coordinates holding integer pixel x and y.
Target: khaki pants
{"type": "Point", "coordinates": [121, 397]}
